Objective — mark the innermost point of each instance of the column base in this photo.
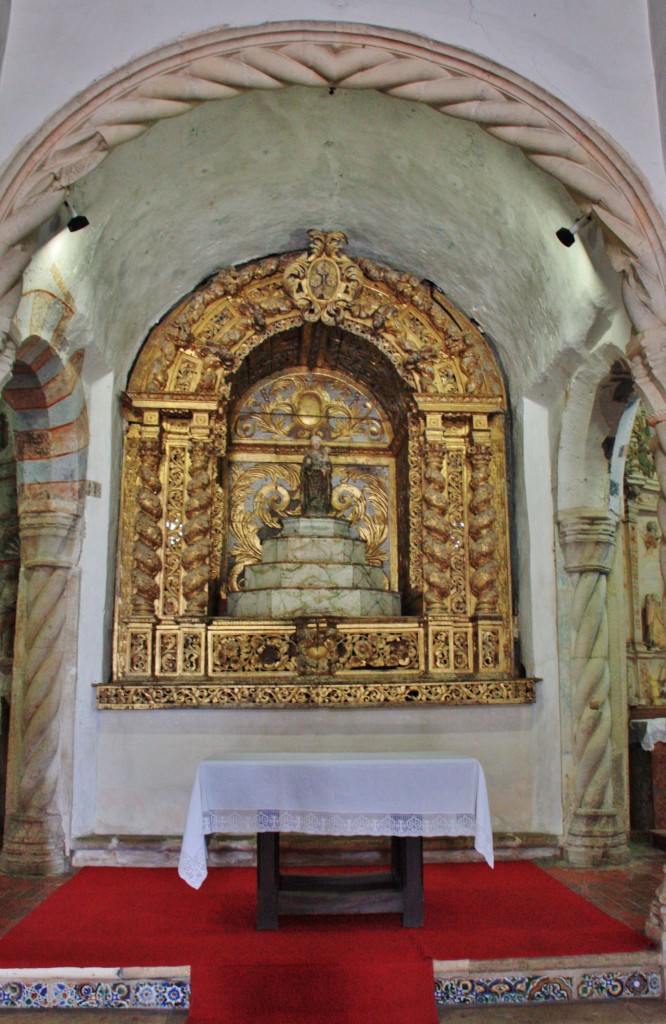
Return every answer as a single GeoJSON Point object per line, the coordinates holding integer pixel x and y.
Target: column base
{"type": "Point", "coordinates": [595, 839]}
{"type": "Point", "coordinates": [34, 846]}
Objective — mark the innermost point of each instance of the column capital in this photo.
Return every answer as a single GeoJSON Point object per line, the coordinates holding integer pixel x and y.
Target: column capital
{"type": "Point", "coordinates": [50, 539]}
{"type": "Point", "coordinates": [587, 537]}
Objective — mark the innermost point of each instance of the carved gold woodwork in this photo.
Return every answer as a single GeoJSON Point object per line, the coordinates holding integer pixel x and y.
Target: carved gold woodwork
{"type": "Point", "coordinates": [262, 493]}
{"type": "Point", "coordinates": [224, 397]}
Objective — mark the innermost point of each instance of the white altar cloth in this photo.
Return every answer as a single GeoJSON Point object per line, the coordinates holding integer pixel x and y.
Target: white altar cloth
{"type": "Point", "coordinates": [406, 794]}
{"type": "Point", "coordinates": [648, 732]}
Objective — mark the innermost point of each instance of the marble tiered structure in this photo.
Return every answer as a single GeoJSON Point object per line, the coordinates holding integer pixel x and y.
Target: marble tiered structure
{"type": "Point", "coordinates": [316, 566]}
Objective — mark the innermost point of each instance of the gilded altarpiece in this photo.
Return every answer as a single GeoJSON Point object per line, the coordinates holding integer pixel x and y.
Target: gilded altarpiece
{"type": "Point", "coordinates": [222, 404]}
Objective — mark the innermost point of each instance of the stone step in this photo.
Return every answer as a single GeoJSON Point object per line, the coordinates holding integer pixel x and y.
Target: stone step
{"type": "Point", "coordinates": [337, 550]}
{"type": "Point", "coordinates": [291, 602]}
{"type": "Point", "coordinates": [312, 575]}
{"type": "Point", "coordinates": [317, 526]}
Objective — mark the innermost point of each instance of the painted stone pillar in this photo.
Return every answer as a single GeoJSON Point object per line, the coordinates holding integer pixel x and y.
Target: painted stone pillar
{"type": "Point", "coordinates": [44, 673]}
{"type": "Point", "coordinates": [595, 834]}
{"type": "Point", "coordinates": [648, 365]}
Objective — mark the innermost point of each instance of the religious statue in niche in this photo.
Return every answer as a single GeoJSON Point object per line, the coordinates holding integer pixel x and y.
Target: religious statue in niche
{"type": "Point", "coordinates": [316, 471]}
{"type": "Point", "coordinates": [654, 634]}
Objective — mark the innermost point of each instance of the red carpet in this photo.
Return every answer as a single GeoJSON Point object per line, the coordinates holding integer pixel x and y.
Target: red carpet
{"type": "Point", "coordinates": [316, 969]}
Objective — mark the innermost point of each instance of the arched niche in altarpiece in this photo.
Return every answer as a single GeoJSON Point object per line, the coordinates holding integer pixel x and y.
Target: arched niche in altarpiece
{"type": "Point", "coordinates": [221, 405]}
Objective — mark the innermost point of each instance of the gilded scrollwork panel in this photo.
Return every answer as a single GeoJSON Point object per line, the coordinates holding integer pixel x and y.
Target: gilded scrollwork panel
{"type": "Point", "coordinates": [262, 493]}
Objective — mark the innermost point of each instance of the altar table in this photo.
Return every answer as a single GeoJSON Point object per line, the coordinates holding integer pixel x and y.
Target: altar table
{"type": "Point", "coordinates": [404, 796]}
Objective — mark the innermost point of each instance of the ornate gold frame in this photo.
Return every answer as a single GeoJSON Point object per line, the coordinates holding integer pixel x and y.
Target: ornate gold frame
{"type": "Point", "coordinates": [442, 387]}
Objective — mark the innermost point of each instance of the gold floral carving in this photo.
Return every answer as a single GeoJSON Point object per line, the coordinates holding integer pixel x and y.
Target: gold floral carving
{"type": "Point", "coordinates": [451, 648]}
{"type": "Point", "coordinates": [322, 283]}
{"type": "Point", "coordinates": [147, 562]}
{"type": "Point", "coordinates": [415, 461]}
{"type": "Point", "coordinates": [176, 478]}
{"type": "Point", "coordinates": [379, 651]}
{"type": "Point", "coordinates": [139, 652]}
{"type": "Point", "coordinates": [489, 649]}
{"type": "Point", "coordinates": [317, 653]}
{"type": "Point", "coordinates": [252, 652]}
{"type": "Point", "coordinates": [303, 694]}
{"type": "Point", "coordinates": [434, 349]}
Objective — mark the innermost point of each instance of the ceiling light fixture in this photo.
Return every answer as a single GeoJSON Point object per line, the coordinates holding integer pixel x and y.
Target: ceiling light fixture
{"type": "Point", "coordinates": [76, 220]}
{"type": "Point", "coordinates": [567, 236]}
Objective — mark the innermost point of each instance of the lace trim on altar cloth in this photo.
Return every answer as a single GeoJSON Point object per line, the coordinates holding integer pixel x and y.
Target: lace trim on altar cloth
{"type": "Point", "coordinates": [193, 869]}
{"type": "Point", "coordinates": [329, 823]}
{"type": "Point", "coordinates": [193, 865]}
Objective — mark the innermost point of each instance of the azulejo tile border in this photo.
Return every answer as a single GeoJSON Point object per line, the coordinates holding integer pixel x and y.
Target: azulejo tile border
{"type": "Point", "coordinates": [574, 986]}
{"type": "Point", "coordinates": [82, 994]}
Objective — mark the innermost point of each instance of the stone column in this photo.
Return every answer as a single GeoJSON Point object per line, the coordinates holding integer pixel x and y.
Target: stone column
{"type": "Point", "coordinates": [44, 664]}
{"type": "Point", "coordinates": [648, 365]}
{"type": "Point", "coordinates": [595, 834]}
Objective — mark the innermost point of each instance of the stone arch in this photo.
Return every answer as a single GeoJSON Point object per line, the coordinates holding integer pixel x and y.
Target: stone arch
{"type": "Point", "coordinates": [51, 436]}
{"type": "Point", "coordinates": [50, 422]}
{"type": "Point", "coordinates": [221, 63]}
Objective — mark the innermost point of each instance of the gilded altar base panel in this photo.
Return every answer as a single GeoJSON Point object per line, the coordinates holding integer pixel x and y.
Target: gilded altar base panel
{"type": "Point", "coordinates": [226, 394]}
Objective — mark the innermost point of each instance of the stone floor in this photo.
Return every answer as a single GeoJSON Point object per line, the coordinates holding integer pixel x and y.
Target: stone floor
{"type": "Point", "coordinates": [624, 892]}
{"type": "Point", "coordinates": [554, 1013]}
{"type": "Point", "coordinates": [93, 1017]}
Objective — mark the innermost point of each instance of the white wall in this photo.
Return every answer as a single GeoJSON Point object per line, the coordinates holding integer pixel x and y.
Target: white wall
{"type": "Point", "coordinates": [155, 232]}
{"type": "Point", "coordinates": [147, 759]}
{"type": "Point", "coordinates": [594, 55]}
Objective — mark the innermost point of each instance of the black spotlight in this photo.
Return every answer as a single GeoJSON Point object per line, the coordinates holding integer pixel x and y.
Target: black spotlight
{"type": "Point", "coordinates": [567, 236]}
{"type": "Point", "coordinates": [76, 220]}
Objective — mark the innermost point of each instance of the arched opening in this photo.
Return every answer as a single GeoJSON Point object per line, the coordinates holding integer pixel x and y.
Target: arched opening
{"type": "Point", "coordinates": [318, 381]}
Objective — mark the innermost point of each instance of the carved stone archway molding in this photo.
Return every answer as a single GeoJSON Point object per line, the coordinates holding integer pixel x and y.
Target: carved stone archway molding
{"type": "Point", "coordinates": [223, 63]}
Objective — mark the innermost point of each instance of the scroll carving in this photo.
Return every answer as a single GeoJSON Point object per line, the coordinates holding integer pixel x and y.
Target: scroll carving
{"type": "Point", "coordinates": [481, 529]}
{"type": "Point", "coordinates": [148, 542]}
{"type": "Point", "coordinates": [324, 282]}
{"type": "Point", "coordinates": [176, 471]}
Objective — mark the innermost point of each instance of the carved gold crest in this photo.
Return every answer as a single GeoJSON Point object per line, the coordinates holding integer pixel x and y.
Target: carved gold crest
{"type": "Point", "coordinates": [325, 281]}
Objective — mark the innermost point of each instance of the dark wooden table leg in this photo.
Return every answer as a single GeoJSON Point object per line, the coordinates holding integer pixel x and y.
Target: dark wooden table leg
{"type": "Point", "coordinates": [398, 860]}
{"type": "Point", "coordinates": [268, 878]}
{"type": "Point", "coordinates": [412, 914]}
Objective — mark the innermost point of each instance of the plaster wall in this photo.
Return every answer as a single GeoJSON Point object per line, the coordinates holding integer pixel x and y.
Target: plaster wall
{"type": "Point", "coordinates": [147, 760]}
{"type": "Point", "coordinates": [239, 179]}
{"type": "Point", "coordinates": [414, 189]}
{"type": "Point", "coordinates": [595, 56]}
